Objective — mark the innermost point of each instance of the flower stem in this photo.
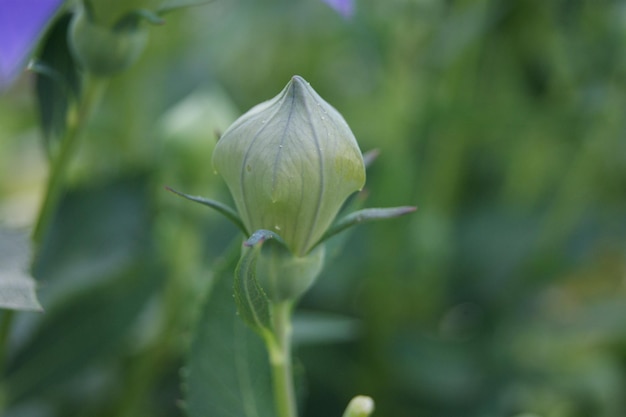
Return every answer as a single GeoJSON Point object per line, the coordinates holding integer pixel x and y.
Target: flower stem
{"type": "Point", "coordinates": [6, 321]}
{"type": "Point", "coordinates": [280, 357]}
{"type": "Point", "coordinates": [77, 120]}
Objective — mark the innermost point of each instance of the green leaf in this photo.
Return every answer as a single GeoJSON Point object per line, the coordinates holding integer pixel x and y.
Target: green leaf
{"type": "Point", "coordinates": [227, 372]}
{"type": "Point", "coordinates": [17, 288]}
{"type": "Point", "coordinates": [171, 5]}
{"type": "Point", "coordinates": [366, 215]}
{"type": "Point", "coordinates": [253, 305]}
{"type": "Point", "coordinates": [85, 327]}
{"type": "Point", "coordinates": [222, 208]}
{"type": "Point", "coordinates": [97, 269]}
{"type": "Point", "coordinates": [57, 82]}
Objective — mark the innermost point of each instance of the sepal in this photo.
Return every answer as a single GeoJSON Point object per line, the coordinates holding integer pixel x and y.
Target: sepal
{"type": "Point", "coordinates": [370, 157]}
{"type": "Point", "coordinates": [282, 275]}
{"type": "Point", "coordinates": [366, 215]}
{"type": "Point", "coordinates": [132, 19]}
{"type": "Point", "coordinates": [252, 303]}
{"type": "Point", "coordinates": [222, 208]}
{"type": "Point", "coordinates": [173, 5]}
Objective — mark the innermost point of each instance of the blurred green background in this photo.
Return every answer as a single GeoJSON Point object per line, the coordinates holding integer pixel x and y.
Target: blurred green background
{"type": "Point", "coordinates": [503, 295]}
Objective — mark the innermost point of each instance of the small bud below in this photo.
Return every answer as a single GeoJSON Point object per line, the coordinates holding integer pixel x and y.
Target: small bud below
{"type": "Point", "coordinates": [104, 50]}
{"type": "Point", "coordinates": [360, 406]}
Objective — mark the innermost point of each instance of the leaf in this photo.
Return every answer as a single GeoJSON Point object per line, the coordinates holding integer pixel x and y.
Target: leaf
{"type": "Point", "coordinates": [366, 215]}
{"type": "Point", "coordinates": [57, 81]}
{"type": "Point", "coordinates": [253, 304]}
{"type": "Point", "coordinates": [97, 269]}
{"type": "Point", "coordinates": [222, 208]}
{"type": "Point", "coordinates": [227, 372]}
{"type": "Point", "coordinates": [85, 327]}
{"type": "Point", "coordinates": [171, 5]}
{"type": "Point", "coordinates": [96, 231]}
{"type": "Point", "coordinates": [17, 288]}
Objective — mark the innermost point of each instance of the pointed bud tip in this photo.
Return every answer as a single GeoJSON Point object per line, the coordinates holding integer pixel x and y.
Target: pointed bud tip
{"type": "Point", "coordinates": [299, 84]}
{"type": "Point", "coordinates": [299, 79]}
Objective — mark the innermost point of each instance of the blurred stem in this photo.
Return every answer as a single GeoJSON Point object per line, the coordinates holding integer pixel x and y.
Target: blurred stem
{"type": "Point", "coordinates": [280, 357]}
{"type": "Point", "coordinates": [5, 329]}
{"type": "Point", "coordinates": [78, 117]}
{"type": "Point", "coordinates": [77, 120]}
{"type": "Point", "coordinates": [6, 322]}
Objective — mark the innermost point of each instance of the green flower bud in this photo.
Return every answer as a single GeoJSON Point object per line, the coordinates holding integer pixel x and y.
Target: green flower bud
{"type": "Point", "coordinates": [290, 163]}
{"type": "Point", "coordinates": [104, 50]}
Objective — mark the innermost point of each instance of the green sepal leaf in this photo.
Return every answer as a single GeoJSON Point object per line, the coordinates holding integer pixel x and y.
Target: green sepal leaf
{"type": "Point", "coordinates": [261, 236]}
{"type": "Point", "coordinates": [222, 208]}
{"type": "Point", "coordinates": [366, 215]}
{"type": "Point", "coordinates": [252, 302]}
{"type": "Point", "coordinates": [227, 373]}
{"type": "Point", "coordinates": [283, 275]}
{"type": "Point", "coordinates": [171, 5]}
{"type": "Point", "coordinates": [370, 157]}
{"type": "Point", "coordinates": [131, 20]}
{"type": "Point", "coordinates": [57, 81]}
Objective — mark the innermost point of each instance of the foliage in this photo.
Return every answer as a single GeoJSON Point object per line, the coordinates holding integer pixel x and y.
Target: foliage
{"type": "Point", "coordinates": [502, 295]}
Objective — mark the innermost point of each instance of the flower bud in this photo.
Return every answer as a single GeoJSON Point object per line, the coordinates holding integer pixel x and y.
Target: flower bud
{"type": "Point", "coordinates": [104, 50]}
{"type": "Point", "coordinates": [290, 163]}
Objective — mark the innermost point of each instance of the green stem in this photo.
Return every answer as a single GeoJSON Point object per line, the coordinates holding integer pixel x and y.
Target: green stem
{"type": "Point", "coordinates": [6, 322]}
{"type": "Point", "coordinates": [77, 120]}
{"type": "Point", "coordinates": [280, 358]}
{"type": "Point", "coordinates": [78, 116]}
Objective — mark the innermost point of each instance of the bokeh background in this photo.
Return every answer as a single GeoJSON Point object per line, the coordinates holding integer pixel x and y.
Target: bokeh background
{"type": "Point", "coordinates": [503, 295]}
